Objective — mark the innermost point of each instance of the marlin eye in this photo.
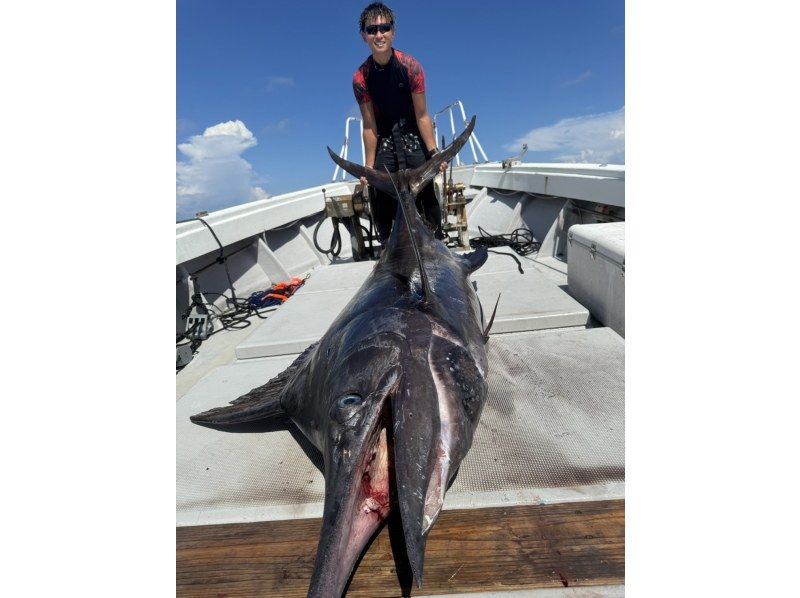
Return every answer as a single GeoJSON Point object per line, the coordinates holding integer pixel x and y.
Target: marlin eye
{"type": "Point", "coordinates": [346, 407]}
{"type": "Point", "coordinates": [349, 400]}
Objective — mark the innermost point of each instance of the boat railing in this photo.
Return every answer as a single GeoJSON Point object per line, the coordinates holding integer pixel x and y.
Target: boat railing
{"type": "Point", "coordinates": [346, 145]}
{"type": "Point", "coordinates": [473, 139]}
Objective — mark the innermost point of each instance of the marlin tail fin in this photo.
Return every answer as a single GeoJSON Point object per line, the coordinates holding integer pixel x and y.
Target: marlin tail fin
{"type": "Point", "coordinates": [421, 176]}
{"type": "Point", "coordinates": [417, 178]}
{"type": "Point", "coordinates": [379, 180]}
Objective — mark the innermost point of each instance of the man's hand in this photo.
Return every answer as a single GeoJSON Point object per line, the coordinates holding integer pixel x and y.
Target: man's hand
{"type": "Point", "coordinates": [432, 153]}
{"type": "Point", "coordinates": [363, 181]}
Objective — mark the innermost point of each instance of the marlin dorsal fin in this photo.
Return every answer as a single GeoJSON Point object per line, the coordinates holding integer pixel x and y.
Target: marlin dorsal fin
{"type": "Point", "coordinates": [426, 289]}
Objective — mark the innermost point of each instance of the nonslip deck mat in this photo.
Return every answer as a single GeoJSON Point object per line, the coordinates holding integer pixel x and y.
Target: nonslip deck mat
{"type": "Point", "coordinates": [552, 430]}
{"type": "Point", "coordinates": [529, 302]}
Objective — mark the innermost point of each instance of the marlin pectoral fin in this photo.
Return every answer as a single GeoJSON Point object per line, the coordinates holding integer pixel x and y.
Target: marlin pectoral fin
{"type": "Point", "coordinates": [263, 402]}
{"type": "Point", "coordinates": [475, 259]}
{"type": "Point", "coordinates": [377, 179]}
{"type": "Point", "coordinates": [421, 176]}
{"type": "Point", "coordinates": [253, 406]}
{"type": "Point", "coordinates": [491, 320]}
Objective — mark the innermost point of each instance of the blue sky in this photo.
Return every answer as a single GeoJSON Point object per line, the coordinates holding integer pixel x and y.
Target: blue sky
{"type": "Point", "coordinates": [547, 73]}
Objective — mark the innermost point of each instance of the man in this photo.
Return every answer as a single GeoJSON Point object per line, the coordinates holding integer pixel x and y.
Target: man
{"type": "Point", "coordinates": [398, 133]}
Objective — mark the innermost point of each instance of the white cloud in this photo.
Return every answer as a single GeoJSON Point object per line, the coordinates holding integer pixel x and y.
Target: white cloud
{"type": "Point", "coordinates": [279, 82]}
{"type": "Point", "coordinates": [215, 176]}
{"type": "Point", "coordinates": [183, 126]}
{"type": "Point", "coordinates": [596, 138]}
{"type": "Point", "coordinates": [579, 79]}
{"type": "Point", "coordinates": [279, 127]}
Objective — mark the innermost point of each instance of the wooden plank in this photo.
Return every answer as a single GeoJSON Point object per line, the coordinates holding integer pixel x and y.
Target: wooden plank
{"type": "Point", "coordinates": [526, 547]}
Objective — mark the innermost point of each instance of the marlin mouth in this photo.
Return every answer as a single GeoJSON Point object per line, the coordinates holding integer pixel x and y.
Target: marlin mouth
{"type": "Point", "coordinates": [402, 463]}
{"type": "Point", "coordinates": [380, 489]}
{"type": "Point", "coordinates": [375, 495]}
{"type": "Point", "coordinates": [357, 506]}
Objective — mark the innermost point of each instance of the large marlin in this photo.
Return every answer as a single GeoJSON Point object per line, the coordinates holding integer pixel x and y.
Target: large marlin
{"type": "Point", "coordinates": [392, 393]}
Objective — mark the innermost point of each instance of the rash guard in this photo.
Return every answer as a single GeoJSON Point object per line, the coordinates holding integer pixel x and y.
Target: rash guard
{"type": "Point", "coordinates": [389, 88]}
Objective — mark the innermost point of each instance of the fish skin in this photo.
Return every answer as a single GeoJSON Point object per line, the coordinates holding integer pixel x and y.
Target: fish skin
{"type": "Point", "coordinates": [392, 393]}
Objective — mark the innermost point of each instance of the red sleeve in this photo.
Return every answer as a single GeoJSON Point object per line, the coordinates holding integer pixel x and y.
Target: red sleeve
{"type": "Point", "coordinates": [360, 85]}
{"type": "Point", "coordinates": [416, 76]}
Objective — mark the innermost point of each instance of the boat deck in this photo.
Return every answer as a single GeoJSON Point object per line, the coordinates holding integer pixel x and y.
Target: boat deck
{"type": "Point", "coordinates": [550, 444]}
{"type": "Point", "coordinates": [550, 551]}
{"type": "Point", "coordinates": [530, 301]}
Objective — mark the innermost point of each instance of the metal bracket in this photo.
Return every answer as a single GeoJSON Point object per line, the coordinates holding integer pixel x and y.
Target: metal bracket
{"type": "Point", "coordinates": [506, 164]}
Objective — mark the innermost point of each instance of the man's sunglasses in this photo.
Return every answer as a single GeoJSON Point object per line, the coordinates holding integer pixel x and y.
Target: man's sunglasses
{"type": "Point", "coordinates": [373, 29]}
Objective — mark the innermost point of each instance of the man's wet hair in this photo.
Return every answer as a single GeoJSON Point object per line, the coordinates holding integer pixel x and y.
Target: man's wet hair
{"type": "Point", "coordinates": [373, 11]}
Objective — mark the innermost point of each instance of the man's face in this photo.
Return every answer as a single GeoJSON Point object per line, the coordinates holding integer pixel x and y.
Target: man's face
{"type": "Point", "coordinates": [379, 42]}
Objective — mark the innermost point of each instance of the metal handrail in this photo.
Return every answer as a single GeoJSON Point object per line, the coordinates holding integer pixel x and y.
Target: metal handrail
{"type": "Point", "coordinates": [473, 138]}
{"type": "Point", "coordinates": [346, 145]}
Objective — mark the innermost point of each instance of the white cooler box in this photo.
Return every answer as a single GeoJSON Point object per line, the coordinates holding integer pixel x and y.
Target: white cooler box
{"type": "Point", "coordinates": [596, 275]}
